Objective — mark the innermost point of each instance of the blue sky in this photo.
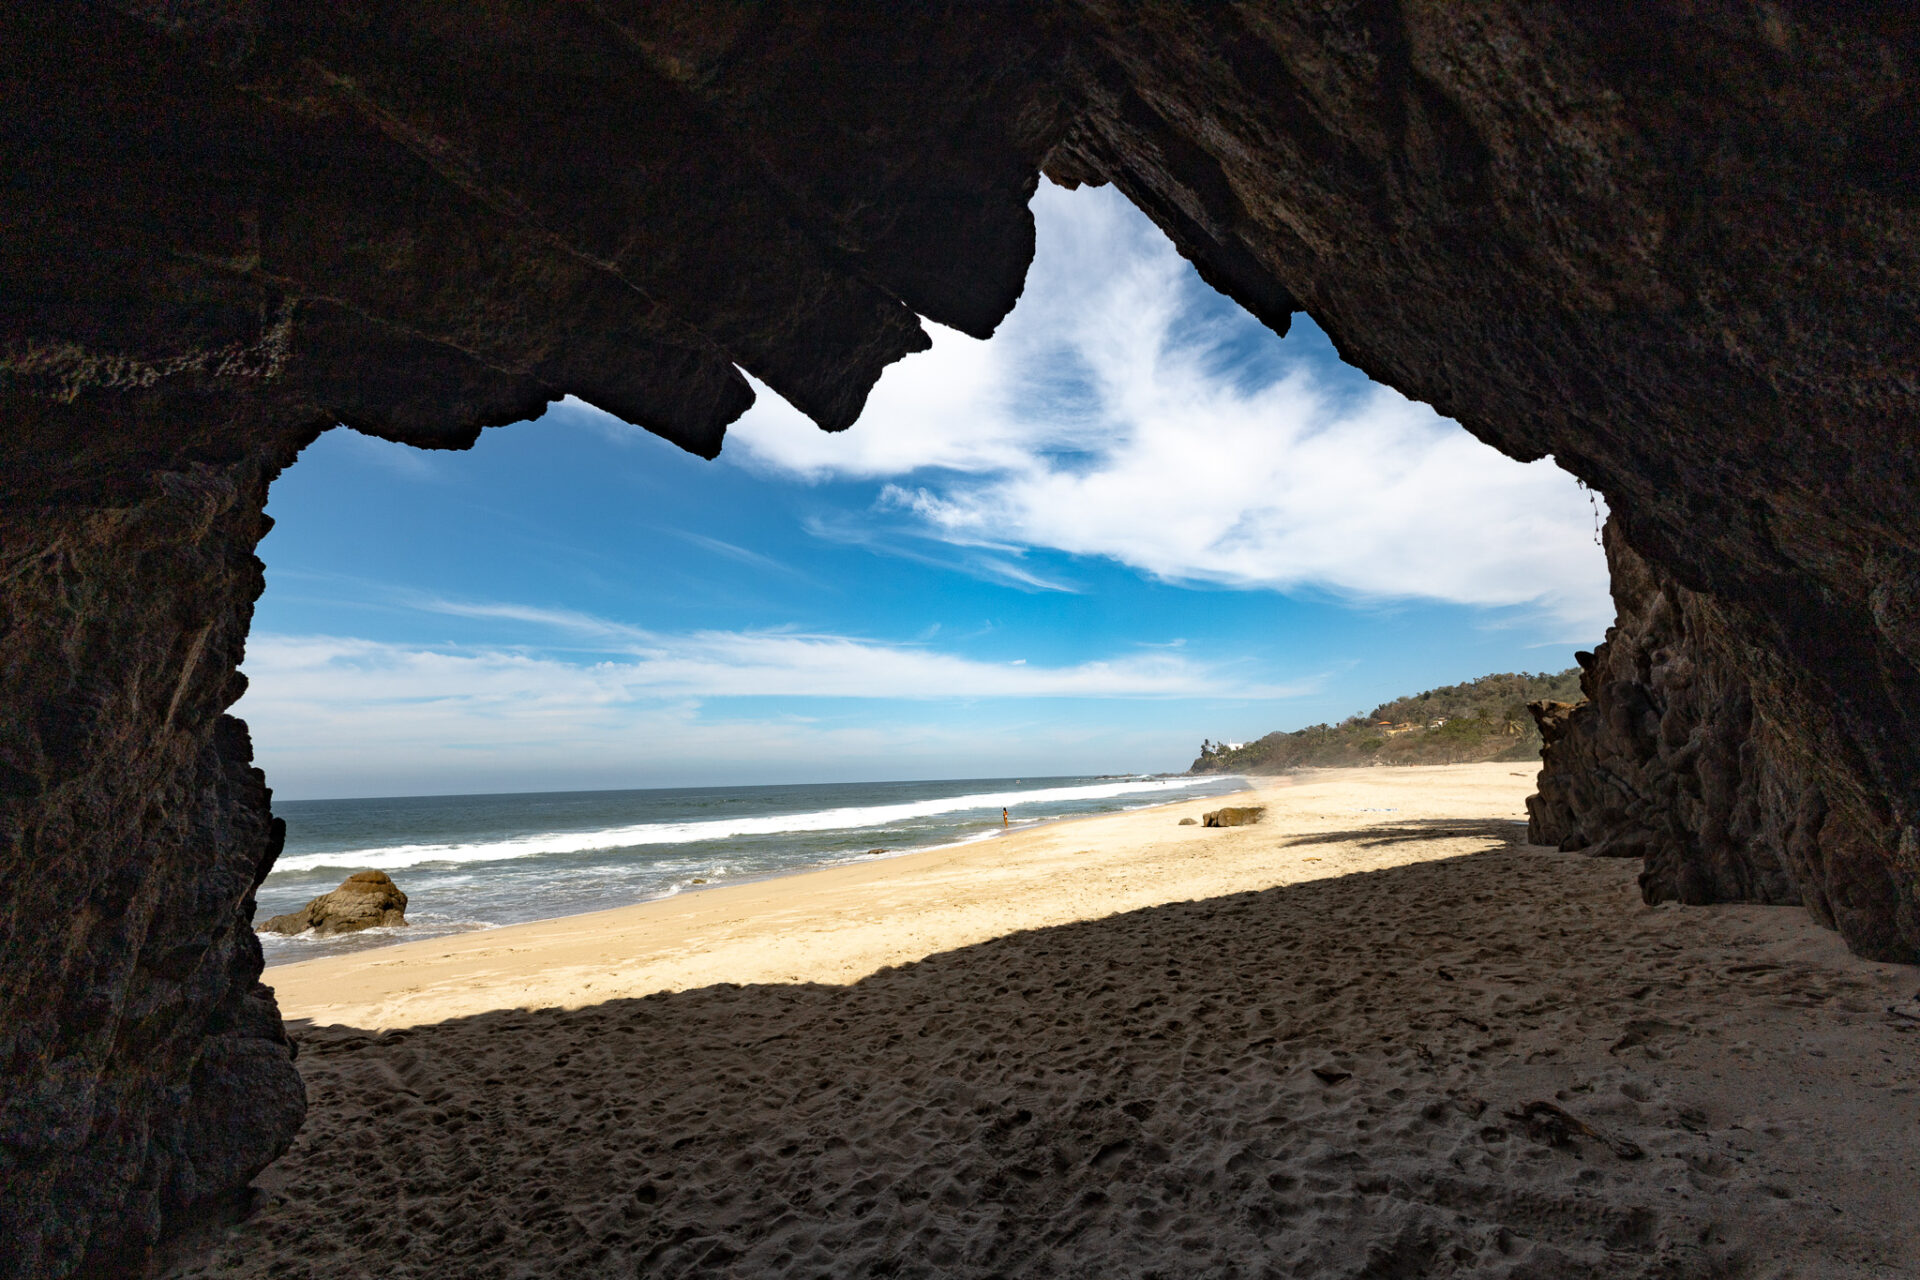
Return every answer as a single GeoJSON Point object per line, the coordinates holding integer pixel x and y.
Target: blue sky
{"type": "Point", "coordinates": [1132, 519]}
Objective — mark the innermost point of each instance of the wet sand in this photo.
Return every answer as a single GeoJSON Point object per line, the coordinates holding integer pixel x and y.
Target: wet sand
{"type": "Point", "coordinates": [1377, 1035]}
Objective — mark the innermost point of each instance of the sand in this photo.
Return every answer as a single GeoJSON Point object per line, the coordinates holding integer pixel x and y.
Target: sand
{"type": "Point", "coordinates": [843, 923]}
{"type": "Point", "coordinates": [1375, 1036]}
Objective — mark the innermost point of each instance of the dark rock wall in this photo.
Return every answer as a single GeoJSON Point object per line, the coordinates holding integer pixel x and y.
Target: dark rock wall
{"type": "Point", "coordinates": [1685, 755]}
{"type": "Point", "coordinates": [147, 1075]}
{"type": "Point", "coordinates": [1672, 244]}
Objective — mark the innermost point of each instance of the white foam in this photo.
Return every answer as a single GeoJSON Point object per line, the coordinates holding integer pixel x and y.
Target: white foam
{"type": "Point", "coordinates": [394, 857]}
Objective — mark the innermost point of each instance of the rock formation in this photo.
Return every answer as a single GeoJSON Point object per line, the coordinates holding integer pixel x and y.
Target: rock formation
{"type": "Point", "coordinates": [147, 1076]}
{"type": "Point", "coordinates": [364, 900]}
{"type": "Point", "coordinates": [1671, 244]}
{"type": "Point", "coordinates": [1234, 816]}
{"type": "Point", "coordinates": [1680, 757]}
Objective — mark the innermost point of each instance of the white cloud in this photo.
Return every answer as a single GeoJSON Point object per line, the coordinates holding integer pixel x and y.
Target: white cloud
{"type": "Point", "coordinates": [355, 716]}
{"type": "Point", "coordinates": [497, 680]}
{"type": "Point", "coordinates": [989, 562]}
{"type": "Point", "coordinates": [1113, 416]}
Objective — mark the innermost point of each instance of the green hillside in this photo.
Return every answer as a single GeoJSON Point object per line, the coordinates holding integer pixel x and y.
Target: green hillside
{"type": "Point", "coordinates": [1484, 719]}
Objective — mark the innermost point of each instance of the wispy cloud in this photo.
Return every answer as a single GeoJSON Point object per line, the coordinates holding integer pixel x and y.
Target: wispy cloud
{"type": "Point", "coordinates": [1118, 414]}
{"type": "Point", "coordinates": [571, 620]}
{"type": "Point", "coordinates": [343, 715]}
{"type": "Point", "coordinates": [739, 554]}
{"type": "Point", "coordinates": [973, 558]}
{"type": "Point", "coordinates": [505, 680]}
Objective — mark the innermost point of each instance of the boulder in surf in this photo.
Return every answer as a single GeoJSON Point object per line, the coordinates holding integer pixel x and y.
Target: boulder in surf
{"type": "Point", "coordinates": [364, 900]}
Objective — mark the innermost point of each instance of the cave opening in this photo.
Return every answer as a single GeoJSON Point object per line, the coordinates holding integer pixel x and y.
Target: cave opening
{"type": "Point", "coordinates": [1131, 518]}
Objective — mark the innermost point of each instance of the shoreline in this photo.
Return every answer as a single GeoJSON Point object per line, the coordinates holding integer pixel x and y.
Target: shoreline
{"type": "Point", "coordinates": [840, 923]}
{"type": "Point", "coordinates": [857, 860]}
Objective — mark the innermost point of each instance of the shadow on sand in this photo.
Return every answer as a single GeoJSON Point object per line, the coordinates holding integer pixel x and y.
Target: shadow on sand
{"type": "Point", "coordinates": [1497, 831]}
{"type": "Point", "coordinates": [1308, 1080]}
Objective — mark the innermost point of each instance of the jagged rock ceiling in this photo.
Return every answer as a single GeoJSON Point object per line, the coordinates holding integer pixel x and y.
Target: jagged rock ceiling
{"type": "Point", "coordinates": [1672, 244]}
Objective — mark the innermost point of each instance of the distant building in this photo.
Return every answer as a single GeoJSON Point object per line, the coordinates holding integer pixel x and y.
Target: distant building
{"type": "Point", "coordinates": [1233, 746]}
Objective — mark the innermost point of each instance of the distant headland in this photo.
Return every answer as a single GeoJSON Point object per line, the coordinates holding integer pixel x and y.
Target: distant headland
{"type": "Point", "coordinates": [1482, 720]}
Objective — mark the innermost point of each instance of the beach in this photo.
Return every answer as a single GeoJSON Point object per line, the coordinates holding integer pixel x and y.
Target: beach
{"type": "Point", "coordinates": [1375, 1035]}
{"type": "Point", "coordinates": [840, 924]}
{"type": "Point", "coordinates": [472, 863]}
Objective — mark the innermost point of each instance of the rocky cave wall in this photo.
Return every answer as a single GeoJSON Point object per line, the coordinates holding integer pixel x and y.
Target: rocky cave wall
{"type": "Point", "coordinates": [1679, 758]}
{"type": "Point", "coordinates": [1672, 244]}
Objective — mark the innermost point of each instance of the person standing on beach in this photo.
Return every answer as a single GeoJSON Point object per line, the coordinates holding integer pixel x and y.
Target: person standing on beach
{"type": "Point", "coordinates": [1003, 819]}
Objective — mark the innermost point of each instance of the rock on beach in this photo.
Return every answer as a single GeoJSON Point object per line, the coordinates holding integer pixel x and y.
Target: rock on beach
{"type": "Point", "coordinates": [364, 900]}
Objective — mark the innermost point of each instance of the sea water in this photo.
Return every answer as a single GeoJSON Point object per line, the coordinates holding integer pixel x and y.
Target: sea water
{"type": "Point", "coordinates": [477, 862]}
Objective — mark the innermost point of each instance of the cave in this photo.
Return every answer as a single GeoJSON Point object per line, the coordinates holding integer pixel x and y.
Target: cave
{"type": "Point", "coordinates": [1672, 244]}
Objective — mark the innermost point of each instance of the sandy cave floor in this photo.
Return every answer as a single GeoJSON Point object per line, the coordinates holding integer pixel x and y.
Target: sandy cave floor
{"type": "Point", "coordinates": [1329, 1077]}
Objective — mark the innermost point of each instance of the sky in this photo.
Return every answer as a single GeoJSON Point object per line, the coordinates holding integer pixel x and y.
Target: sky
{"type": "Point", "coordinates": [1132, 519]}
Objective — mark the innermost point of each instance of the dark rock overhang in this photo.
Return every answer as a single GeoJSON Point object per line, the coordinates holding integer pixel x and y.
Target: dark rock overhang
{"type": "Point", "coordinates": [1672, 245]}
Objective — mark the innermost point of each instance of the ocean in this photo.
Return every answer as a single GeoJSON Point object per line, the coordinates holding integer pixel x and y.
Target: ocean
{"type": "Point", "coordinates": [478, 862]}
